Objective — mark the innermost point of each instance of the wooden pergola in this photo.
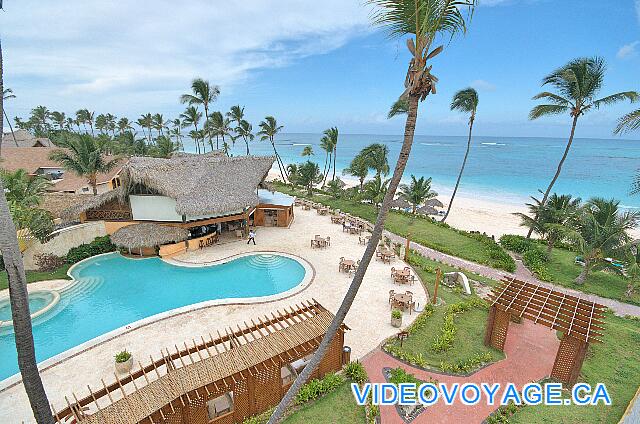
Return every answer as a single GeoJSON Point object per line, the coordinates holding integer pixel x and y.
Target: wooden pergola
{"type": "Point", "coordinates": [580, 321]}
{"type": "Point", "coordinates": [244, 366]}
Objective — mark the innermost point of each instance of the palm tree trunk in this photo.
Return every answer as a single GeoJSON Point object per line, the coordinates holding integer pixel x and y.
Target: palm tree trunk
{"type": "Point", "coordinates": [335, 153]}
{"type": "Point", "coordinates": [464, 162]}
{"type": "Point", "coordinates": [10, 127]}
{"type": "Point", "coordinates": [246, 141]}
{"type": "Point", "coordinates": [583, 274]}
{"type": "Point", "coordinates": [93, 184]}
{"type": "Point", "coordinates": [364, 263]}
{"type": "Point", "coordinates": [557, 174]}
{"type": "Point", "coordinates": [326, 159]}
{"type": "Point", "coordinates": [280, 166]}
{"type": "Point", "coordinates": [324, 182]}
{"type": "Point", "coordinates": [19, 299]}
{"type": "Point", "coordinates": [550, 243]}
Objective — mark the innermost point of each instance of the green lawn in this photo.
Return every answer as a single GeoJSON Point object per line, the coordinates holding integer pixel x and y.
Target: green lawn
{"type": "Point", "coordinates": [33, 276]}
{"type": "Point", "coordinates": [422, 230]}
{"type": "Point", "coordinates": [338, 406]}
{"type": "Point", "coordinates": [469, 338]}
{"type": "Point", "coordinates": [616, 363]}
{"type": "Point", "coordinates": [563, 272]}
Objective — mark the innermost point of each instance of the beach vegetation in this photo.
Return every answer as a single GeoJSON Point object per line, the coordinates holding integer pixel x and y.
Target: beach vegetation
{"type": "Point", "coordinates": [269, 128]}
{"type": "Point", "coordinates": [358, 168]}
{"type": "Point", "coordinates": [202, 93]}
{"type": "Point", "coordinates": [417, 192]}
{"type": "Point", "coordinates": [465, 101]}
{"type": "Point", "coordinates": [329, 143]}
{"type": "Point", "coordinates": [375, 190]}
{"type": "Point", "coordinates": [576, 85]}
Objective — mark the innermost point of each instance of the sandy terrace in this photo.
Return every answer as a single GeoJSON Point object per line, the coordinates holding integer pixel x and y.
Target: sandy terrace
{"type": "Point", "coordinates": [368, 319]}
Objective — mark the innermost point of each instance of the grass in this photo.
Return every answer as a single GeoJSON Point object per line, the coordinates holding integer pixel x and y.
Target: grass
{"type": "Point", "coordinates": [337, 407]}
{"type": "Point", "coordinates": [616, 363]}
{"type": "Point", "coordinates": [422, 230]}
{"type": "Point", "coordinates": [469, 338]}
{"type": "Point", "coordinates": [33, 276]}
{"type": "Point", "coordinates": [563, 272]}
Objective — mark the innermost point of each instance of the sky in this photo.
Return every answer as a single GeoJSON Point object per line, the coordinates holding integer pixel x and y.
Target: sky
{"type": "Point", "coordinates": [311, 64]}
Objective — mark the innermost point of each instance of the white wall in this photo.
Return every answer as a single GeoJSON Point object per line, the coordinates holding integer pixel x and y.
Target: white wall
{"type": "Point", "coordinates": [64, 240]}
{"type": "Point", "coordinates": [154, 208]}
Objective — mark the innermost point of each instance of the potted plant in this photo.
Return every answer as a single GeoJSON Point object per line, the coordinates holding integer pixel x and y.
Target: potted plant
{"type": "Point", "coordinates": [124, 362]}
{"type": "Point", "coordinates": [396, 318]}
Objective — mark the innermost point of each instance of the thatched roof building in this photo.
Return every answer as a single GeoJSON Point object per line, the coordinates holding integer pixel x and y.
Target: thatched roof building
{"type": "Point", "coordinates": [208, 184]}
{"type": "Point", "coordinates": [400, 203]}
{"type": "Point", "coordinates": [427, 210]}
{"type": "Point", "coordinates": [147, 234]}
{"type": "Point", "coordinates": [434, 202]}
{"type": "Point", "coordinates": [23, 138]}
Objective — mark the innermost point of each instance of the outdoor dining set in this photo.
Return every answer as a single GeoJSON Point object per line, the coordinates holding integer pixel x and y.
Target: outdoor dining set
{"type": "Point", "coordinates": [402, 301]}
{"type": "Point", "coordinates": [402, 276]}
{"type": "Point", "coordinates": [348, 266]}
{"type": "Point", "coordinates": [320, 242]}
{"type": "Point", "coordinates": [385, 254]}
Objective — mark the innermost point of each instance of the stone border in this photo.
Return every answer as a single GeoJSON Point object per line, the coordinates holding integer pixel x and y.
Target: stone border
{"type": "Point", "coordinates": [310, 274]}
{"type": "Point", "coordinates": [47, 308]}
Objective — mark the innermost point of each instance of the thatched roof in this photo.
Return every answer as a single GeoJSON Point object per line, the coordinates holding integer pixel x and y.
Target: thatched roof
{"type": "Point", "coordinates": [207, 184]}
{"type": "Point", "coordinates": [400, 203]}
{"type": "Point", "coordinates": [148, 235]}
{"type": "Point", "coordinates": [24, 139]}
{"type": "Point", "coordinates": [434, 202]}
{"type": "Point", "coordinates": [427, 210]}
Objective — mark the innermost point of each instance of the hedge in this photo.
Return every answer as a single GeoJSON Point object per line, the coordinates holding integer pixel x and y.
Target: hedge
{"type": "Point", "coordinates": [96, 247]}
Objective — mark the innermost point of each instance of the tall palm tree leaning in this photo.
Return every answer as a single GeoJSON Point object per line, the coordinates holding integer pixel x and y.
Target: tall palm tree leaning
{"type": "Point", "coordinates": [20, 314]}
{"type": "Point", "coordinates": [7, 93]}
{"type": "Point", "coordinates": [417, 192]}
{"type": "Point", "coordinates": [83, 157]}
{"type": "Point", "coordinates": [464, 101]}
{"type": "Point", "coordinates": [577, 84]}
{"type": "Point", "coordinates": [268, 130]}
{"type": "Point", "coordinates": [423, 21]}
{"type": "Point", "coordinates": [627, 123]}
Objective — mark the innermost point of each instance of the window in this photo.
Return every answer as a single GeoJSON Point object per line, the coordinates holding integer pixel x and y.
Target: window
{"type": "Point", "coordinates": [220, 406]}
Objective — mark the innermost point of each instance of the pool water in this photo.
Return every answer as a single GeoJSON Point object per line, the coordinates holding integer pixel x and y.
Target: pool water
{"type": "Point", "coordinates": [37, 301]}
{"type": "Point", "coordinates": [113, 291]}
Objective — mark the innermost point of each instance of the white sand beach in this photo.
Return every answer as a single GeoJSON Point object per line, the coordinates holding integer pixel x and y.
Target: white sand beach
{"type": "Point", "coordinates": [471, 213]}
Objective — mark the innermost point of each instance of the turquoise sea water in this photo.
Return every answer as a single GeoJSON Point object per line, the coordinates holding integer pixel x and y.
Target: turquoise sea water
{"type": "Point", "coordinates": [504, 168]}
{"type": "Point", "coordinates": [113, 291]}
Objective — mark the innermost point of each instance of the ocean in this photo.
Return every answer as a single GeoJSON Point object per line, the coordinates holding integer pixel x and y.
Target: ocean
{"type": "Point", "coordinates": [504, 169]}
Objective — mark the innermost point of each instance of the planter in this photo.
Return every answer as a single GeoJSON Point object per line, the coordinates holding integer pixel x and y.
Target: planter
{"type": "Point", "coordinates": [396, 322]}
{"type": "Point", "coordinates": [124, 367]}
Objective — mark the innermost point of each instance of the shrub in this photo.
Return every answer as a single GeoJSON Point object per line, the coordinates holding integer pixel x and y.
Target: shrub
{"type": "Point", "coordinates": [396, 314]}
{"type": "Point", "coordinates": [515, 243]}
{"type": "Point", "coordinates": [318, 387]}
{"type": "Point", "coordinates": [534, 256]}
{"type": "Point", "coordinates": [400, 376]}
{"type": "Point", "coordinates": [99, 245]}
{"type": "Point", "coordinates": [47, 262]}
{"type": "Point", "coordinates": [123, 356]}
{"type": "Point", "coordinates": [355, 372]}
{"type": "Point", "coordinates": [464, 366]}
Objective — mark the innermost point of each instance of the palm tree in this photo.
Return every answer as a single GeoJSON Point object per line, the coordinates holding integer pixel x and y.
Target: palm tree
{"type": "Point", "coordinates": [307, 175]}
{"type": "Point", "coordinates": [332, 135]}
{"type": "Point", "coordinates": [236, 114]}
{"type": "Point", "coordinates": [124, 125]}
{"type": "Point", "coordinates": [417, 192]}
{"type": "Point", "coordinates": [19, 299]}
{"type": "Point", "coordinates": [423, 20]}
{"type": "Point", "coordinates": [269, 128]}
{"type": "Point", "coordinates": [87, 117]}
{"type": "Point", "coordinates": [307, 151]}
{"type": "Point", "coordinates": [221, 127]}
{"type": "Point", "coordinates": [159, 124]}
{"type": "Point", "coordinates": [577, 84]}
{"type": "Point", "coordinates": [325, 144]}
{"type": "Point", "coordinates": [629, 122]}
{"type": "Point", "coordinates": [463, 101]}
{"type": "Point", "coordinates": [554, 220]}
{"type": "Point", "coordinates": [7, 93]}
{"type": "Point", "coordinates": [83, 157]}
{"type": "Point", "coordinates": [376, 158]}
{"type": "Point", "coordinates": [375, 190]}
{"type": "Point", "coordinates": [244, 130]}
{"type": "Point", "coordinates": [203, 94]}
{"type": "Point", "coordinates": [358, 168]}
{"type": "Point", "coordinates": [111, 123]}
{"type": "Point", "coordinates": [101, 123]}
{"type": "Point", "coordinates": [164, 147]}
{"type": "Point", "coordinates": [69, 123]}
{"type": "Point", "coordinates": [59, 118]}
{"type": "Point", "coordinates": [602, 231]}
{"type": "Point", "coordinates": [191, 116]}
{"type": "Point", "coordinates": [40, 117]}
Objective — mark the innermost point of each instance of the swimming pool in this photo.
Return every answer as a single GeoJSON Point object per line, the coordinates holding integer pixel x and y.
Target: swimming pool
{"type": "Point", "coordinates": [112, 291]}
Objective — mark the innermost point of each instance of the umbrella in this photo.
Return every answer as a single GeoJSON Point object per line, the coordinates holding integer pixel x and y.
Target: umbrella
{"type": "Point", "coordinates": [427, 210]}
{"type": "Point", "coordinates": [400, 203]}
{"type": "Point", "coordinates": [435, 203]}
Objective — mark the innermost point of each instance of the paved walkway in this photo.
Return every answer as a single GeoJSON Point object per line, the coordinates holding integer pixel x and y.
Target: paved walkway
{"type": "Point", "coordinates": [523, 274]}
{"type": "Point", "coordinates": [530, 351]}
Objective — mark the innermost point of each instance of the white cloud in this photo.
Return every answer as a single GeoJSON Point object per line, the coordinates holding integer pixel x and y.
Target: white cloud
{"type": "Point", "coordinates": [78, 51]}
{"type": "Point", "coordinates": [480, 84]}
{"type": "Point", "coordinates": [628, 50]}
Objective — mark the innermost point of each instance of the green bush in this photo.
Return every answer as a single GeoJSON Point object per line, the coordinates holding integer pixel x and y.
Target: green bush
{"type": "Point", "coordinates": [318, 387]}
{"type": "Point", "coordinates": [533, 254]}
{"type": "Point", "coordinates": [396, 314]}
{"type": "Point", "coordinates": [123, 356]}
{"type": "Point", "coordinates": [464, 366]}
{"type": "Point", "coordinates": [500, 257]}
{"type": "Point", "coordinates": [400, 376]}
{"type": "Point", "coordinates": [355, 372]}
{"type": "Point", "coordinates": [99, 245]}
{"type": "Point", "coordinates": [515, 243]}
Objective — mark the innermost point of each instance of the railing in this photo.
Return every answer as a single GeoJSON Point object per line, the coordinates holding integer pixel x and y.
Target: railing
{"type": "Point", "coordinates": [109, 215]}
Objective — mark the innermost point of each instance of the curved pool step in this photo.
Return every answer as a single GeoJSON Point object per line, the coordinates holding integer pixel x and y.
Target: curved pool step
{"type": "Point", "coordinates": [267, 262]}
{"type": "Point", "coordinates": [83, 287]}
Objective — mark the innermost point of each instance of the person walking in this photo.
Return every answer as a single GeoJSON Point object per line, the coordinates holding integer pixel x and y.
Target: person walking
{"type": "Point", "coordinates": [252, 236]}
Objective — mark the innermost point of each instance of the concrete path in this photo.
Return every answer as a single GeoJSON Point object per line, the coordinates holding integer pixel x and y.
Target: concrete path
{"type": "Point", "coordinates": [530, 351]}
{"type": "Point", "coordinates": [523, 274]}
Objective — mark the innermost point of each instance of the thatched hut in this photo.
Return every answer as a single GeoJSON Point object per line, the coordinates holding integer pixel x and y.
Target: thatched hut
{"type": "Point", "coordinates": [427, 210]}
{"type": "Point", "coordinates": [147, 236]}
{"type": "Point", "coordinates": [434, 203]}
{"type": "Point", "coordinates": [400, 203]}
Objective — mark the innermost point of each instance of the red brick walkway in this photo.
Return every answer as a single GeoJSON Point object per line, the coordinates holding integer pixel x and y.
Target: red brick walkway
{"type": "Point", "coordinates": [530, 350]}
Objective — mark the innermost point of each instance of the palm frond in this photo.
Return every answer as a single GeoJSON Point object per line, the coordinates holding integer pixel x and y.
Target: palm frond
{"type": "Point", "coordinates": [629, 122]}
{"type": "Point", "coordinates": [465, 100]}
{"type": "Point", "coordinates": [632, 96]}
{"type": "Point", "coordinates": [552, 97]}
{"type": "Point", "coordinates": [399, 107]}
{"type": "Point", "coordinates": [544, 110]}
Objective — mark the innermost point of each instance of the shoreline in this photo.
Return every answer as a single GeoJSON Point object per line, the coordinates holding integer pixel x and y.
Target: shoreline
{"type": "Point", "coordinates": [470, 212]}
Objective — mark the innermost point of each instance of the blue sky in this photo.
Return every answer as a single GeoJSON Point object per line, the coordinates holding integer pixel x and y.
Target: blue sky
{"type": "Point", "coordinates": [310, 64]}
